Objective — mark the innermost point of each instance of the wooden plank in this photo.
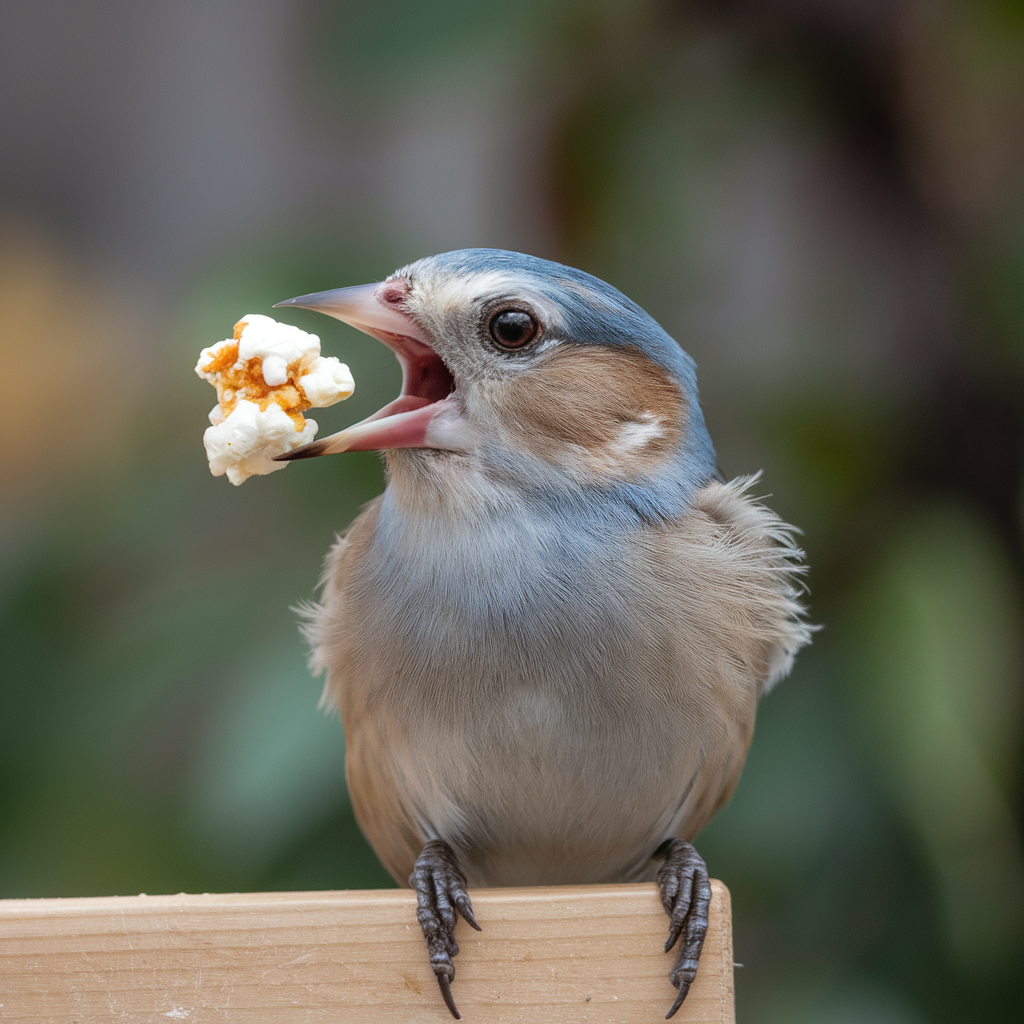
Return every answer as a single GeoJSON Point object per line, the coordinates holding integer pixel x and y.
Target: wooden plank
{"type": "Point", "coordinates": [558, 954]}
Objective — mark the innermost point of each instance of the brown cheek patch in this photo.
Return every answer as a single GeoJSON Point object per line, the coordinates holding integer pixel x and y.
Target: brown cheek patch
{"type": "Point", "coordinates": [597, 412]}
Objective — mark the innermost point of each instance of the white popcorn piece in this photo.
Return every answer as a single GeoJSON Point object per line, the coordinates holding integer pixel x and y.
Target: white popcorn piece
{"type": "Point", "coordinates": [266, 376]}
{"type": "Point", "coordinates": [245, 443]}
{"type": "Point", "coordinates": [328, 382]}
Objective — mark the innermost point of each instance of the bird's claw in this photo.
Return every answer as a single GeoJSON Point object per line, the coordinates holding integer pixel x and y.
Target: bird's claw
{"type": "Point", "coordinates": [441, 891]}
{"type": "Point", "coordinates": [686, 896]}
{"type": "Point", "coordinates": [446, 993]}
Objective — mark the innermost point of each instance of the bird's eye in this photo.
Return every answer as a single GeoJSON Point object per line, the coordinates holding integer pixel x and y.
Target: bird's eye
{"type": "Point", "coordinates": [513, 328]}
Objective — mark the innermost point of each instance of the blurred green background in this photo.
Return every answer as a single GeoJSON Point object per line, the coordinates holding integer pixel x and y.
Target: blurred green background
{"type": "Point", "coordinates": [823, 200]}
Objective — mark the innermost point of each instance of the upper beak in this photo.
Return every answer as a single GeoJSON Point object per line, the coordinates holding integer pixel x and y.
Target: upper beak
{"type": "Point", "coordinates": [366, 307]}
{"type": "Point", "coordinates": [408, 421]}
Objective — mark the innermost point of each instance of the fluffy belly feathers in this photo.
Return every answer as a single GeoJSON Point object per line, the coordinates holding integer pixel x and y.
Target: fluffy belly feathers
{"type": "Point", "coordinates": [530, 795]}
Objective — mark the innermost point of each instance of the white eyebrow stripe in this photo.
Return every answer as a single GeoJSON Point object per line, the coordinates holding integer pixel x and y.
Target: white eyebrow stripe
{"type": "Point", "coordinates": [462, 291]}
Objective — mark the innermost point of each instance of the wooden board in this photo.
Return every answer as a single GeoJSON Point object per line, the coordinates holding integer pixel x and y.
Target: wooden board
{"type": "Point", "coordinates": [573, 953]}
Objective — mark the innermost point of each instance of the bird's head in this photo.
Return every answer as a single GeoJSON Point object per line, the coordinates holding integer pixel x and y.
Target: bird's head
{"type": "Point", "coordinates": [537, 375]}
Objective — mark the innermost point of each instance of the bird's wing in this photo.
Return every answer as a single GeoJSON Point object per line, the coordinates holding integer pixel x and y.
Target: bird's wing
{"type": "Point", "coordinates": [759, 558]}
{"type": "Point", "coordinates": [730, 574]}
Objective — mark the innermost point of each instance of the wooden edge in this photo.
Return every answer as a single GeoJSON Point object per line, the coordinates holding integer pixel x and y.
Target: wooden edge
{"type": "Point", "coordinates": [559, 953]}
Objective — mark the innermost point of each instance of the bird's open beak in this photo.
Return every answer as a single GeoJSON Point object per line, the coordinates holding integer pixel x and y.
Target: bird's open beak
{"type": "Point", "coordinates": [420, 417]}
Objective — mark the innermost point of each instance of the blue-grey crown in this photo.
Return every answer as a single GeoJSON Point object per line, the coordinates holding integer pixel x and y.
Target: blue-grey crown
{"type": "Point", "coordinates": [595, 313]}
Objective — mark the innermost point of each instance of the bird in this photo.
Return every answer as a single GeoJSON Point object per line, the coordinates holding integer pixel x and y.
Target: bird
{"type": "Point", "coordinates": [548, 637]}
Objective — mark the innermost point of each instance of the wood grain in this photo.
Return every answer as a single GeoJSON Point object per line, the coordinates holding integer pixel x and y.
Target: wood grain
{"type": "Point", "coordinates": [573, 953]}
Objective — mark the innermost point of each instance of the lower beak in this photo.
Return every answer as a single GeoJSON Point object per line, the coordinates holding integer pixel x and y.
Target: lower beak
{"type": "Point", "coordinates": [436, 425]}
{"type": "Point", "coordinates": [420, 417]}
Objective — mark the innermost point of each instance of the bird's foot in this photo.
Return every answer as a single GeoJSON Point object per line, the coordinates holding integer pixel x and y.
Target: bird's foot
{"type": "Point", "coordinates": [441, 889]}
{"type": "Point", "coordinates": [686, 897]}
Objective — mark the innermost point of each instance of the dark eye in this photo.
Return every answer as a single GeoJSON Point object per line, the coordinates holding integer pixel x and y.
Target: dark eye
{"type": "Point", "coordinates": [513, 328]}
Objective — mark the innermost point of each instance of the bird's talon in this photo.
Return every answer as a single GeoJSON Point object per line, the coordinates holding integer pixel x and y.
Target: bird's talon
{"type": "Point", "coordinates": [674, 931]}
{"type": "Point", "coordinates": [466, 910]}
{"type": "Point", "coordinates": [446, 993]}
{"type": "Point", "coordinates": [441, 891]}
{"type": "Point", "coordinates": [686, 897]}
{"type": "Point", "coordinates": [680, 996]}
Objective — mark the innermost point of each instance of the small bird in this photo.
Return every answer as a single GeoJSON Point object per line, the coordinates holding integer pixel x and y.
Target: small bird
{"type": "Point", "coordinates": [548, 636]}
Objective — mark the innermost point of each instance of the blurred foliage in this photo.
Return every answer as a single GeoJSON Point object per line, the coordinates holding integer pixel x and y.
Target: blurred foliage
{"type": "Point", "coordinates": [936, 647]}
{"type": "Point", "coordinates": [823, 202]}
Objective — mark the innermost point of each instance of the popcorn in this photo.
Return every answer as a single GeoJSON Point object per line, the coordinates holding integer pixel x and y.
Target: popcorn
{"type": "Point", "coordinates": [266, 376]}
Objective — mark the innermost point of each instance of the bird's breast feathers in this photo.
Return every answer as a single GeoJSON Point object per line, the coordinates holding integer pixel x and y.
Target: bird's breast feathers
{"type": "Point", "coordinates": [508, 676]}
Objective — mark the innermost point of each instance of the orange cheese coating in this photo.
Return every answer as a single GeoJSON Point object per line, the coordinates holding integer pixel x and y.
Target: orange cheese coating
{"type": "Point", "coordinates": [245, 380]}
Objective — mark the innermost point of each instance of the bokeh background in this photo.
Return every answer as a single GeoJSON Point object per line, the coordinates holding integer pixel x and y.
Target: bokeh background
{"type": "Point", "coordinates": [821, 199]}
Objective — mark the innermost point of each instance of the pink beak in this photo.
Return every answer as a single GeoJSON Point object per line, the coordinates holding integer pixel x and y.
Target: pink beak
{"type": "Point", "coordinates": [378, 310]}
